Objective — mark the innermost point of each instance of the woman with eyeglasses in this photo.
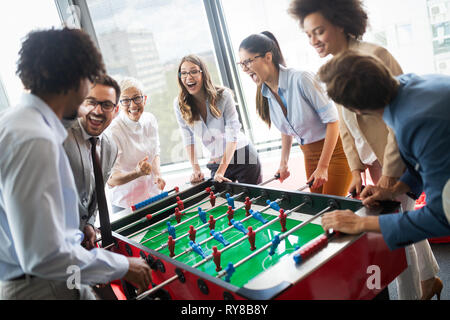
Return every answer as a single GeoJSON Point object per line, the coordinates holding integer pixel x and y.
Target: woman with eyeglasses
{"type": "Point", "coordinates": [333, 28]}
{"type": "Point", "coordinates": [136, 174]}
{"type": "Point", "coordinates": [207, 112]}
{"type": "Point", "coordinates": [295, 103]}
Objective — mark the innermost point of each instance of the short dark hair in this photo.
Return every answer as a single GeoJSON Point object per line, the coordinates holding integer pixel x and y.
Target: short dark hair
{"type": "Point", "coordinates": [56, 60]}
{"type": "Point", "coordinates": [347, 14]}
{"type": "Point", "coordinates": [109, 82]}
{"type": "Point", "coordinates": [358, 81]}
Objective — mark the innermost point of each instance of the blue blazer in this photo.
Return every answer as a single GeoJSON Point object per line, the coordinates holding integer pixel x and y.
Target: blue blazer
{"type": "Point", "coordinates": [420, 118]}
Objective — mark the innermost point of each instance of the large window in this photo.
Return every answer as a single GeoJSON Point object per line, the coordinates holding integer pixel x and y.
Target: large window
{"type": "Point", "coordinates": [17, 19]}
{"type": "Point", "coordinates": [146, 40]}
{"type": "Point", "coordinates": [416, 32]}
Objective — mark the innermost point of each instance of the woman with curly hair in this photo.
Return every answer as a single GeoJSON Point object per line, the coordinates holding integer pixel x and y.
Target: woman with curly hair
{"type": "Point", "coordinates": [333, 27]}
{"type": "Point", "coordinates": [207, 111]}
{"type": "Point", "coordinates": [298, 107]}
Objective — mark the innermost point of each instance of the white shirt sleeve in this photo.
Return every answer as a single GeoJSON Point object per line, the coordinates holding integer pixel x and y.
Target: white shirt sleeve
{"type": "Point", "coordinates": [230, 115]}
{"type": "Point", "coordinates": [45, 239]}
{"type": "Point", "coordinates": [186, 132]}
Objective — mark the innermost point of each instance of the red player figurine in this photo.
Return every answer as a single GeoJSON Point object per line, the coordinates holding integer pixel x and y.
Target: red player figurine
{"type": "Point", "coordinates": [212, 222]}
{"type": "Point", "coordinates": [251, 238]}
{"type": "Point", "coordinates": [171, 244]}
{"type": "Point", "coordinates": [282, 217]}
{"type": "Point", "coordinates": [248, 205]}
{"type": "Point", "coordinates": [192, 233]}
{"type": "Point", "coordinates": [230, 214]}
{"type": "Point", "coordinates": [212, 199]}
{"type": "Point", "coordinates": [216, 256]}
{"type": "Point", "coordinates": [180, 203]}
{"type": "Point", "coordinates": [177, 215]}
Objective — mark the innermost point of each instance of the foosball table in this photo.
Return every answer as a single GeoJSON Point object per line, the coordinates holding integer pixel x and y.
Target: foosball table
{"type": "Point", "coordinates": [238, 241]}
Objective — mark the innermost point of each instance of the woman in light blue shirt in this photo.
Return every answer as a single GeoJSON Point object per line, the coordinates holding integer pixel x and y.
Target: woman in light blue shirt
{"type": "Point", "coordinates": [295, 103]}
{"type": "Point", "coordinates": [208, 112]}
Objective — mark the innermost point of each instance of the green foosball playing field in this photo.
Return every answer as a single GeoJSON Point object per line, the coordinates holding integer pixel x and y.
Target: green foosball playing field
{"type": "Point", "coordinates": [156, 238]}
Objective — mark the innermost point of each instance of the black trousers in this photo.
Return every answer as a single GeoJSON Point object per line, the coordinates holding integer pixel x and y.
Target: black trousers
{"type": "Point", "coordinates": [244, 167]}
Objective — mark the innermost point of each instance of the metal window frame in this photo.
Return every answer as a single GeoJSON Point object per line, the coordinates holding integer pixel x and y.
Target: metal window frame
{"type": "Point", "coordinates": [85, 17]}
{"type": "Point", "coordinates": [4, 100]}
{"type": "Point", "coordinates": [227, 65]}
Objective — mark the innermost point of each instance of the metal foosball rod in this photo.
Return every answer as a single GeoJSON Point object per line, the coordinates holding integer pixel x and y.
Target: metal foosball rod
{"type": "Point", "coordinates": [281, 237]}
{"type": "Point", "coordinates": [172, 215]}
{"type": "Point", "coordinates": [201, 227]}
{"type": "Point", "coordinates": [246, 236]}
{"type": "Point", "coordinates": [146, 218]}
{"type": "Point", "coordinates": [226, 229]}
{"type": "Point", "coordinates": [275, 177]}
{"type": "Point", "coordinates": [191, 218]}
{"type": "Point", "coordinates": [210, 257]}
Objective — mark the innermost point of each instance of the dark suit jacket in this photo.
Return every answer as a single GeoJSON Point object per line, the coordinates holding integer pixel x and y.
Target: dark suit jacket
{"type": "Point", "coordinates": [79, 155]}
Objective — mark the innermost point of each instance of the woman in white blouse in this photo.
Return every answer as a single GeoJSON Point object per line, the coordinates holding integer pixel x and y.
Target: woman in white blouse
{"type": "Point", "coordinates": [208, 112]}
{"type": "Point", "coordinates": [136, 174]}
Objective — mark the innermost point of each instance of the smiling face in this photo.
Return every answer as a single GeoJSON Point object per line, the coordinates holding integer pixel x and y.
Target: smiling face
{"type": "Point", "coordinates": [257, 66]}
{"type": "Point", "coordinates": [324, 36]}
{"type": "Point", "coordinates": [192, 82]}
{"type": "Point", "coordinates": [134, 110]}
{"type": "Point", "coordinates": [97, 120]}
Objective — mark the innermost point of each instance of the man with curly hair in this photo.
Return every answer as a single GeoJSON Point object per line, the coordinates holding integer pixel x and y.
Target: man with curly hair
{"type": "Point", "coordinates": [41, 256]}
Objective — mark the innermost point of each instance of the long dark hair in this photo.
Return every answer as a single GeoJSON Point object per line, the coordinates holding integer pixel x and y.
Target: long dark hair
{"type": "Point", "coordinates": [261, 44]}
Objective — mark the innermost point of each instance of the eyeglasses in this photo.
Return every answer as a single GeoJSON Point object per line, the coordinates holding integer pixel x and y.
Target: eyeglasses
{"type": "Point", "coordinates": [193, 73]}
{"type": "Point", "coordinates": [107, 106]}
{"type": "Point", "coordinates": [127, 102]}
{"type": "Point", "coordinates": [247, 62]}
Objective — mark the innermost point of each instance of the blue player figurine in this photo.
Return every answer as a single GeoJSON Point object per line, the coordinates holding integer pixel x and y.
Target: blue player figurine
{"type": "Point", "coordinates": [230, 270]}
{"type": "Point", "coordinates": [238, 225]}
{"type": "Point", "coordinates": [275, 242]}
{"type": "Point", "coordinates": [197, 249]}
{"type": "Point", "coordinates": [171, 230]}
{"type": "Point", "coordinates": [219, 237]}
{"type": "Point", "coordinates": [202, 215]}
{"type": "Point", "coordinates": [273, 205]}
{"type": "Point", "coordinates": [258, 216]}
{"type": "Point", "coordinates": [230, 200]}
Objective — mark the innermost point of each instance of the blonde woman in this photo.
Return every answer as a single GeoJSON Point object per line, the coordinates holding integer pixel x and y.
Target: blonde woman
{"type": "Point", "coordinates": [208, 112]}
{"type": "Point", "coordinates": [136, 174]}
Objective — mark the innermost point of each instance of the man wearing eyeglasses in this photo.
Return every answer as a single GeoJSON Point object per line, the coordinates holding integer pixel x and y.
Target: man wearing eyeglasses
{"type": "Point", "coordinates": [96, 113]}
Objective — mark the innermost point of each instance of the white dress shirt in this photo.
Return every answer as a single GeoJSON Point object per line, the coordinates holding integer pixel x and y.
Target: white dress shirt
{"type": "Point", "coordinates": [365, 152]}
{"type": "Point", "coordinates": [39, 217]}
{"type": "Point", "coordinates": [135, 140]}
{"type": "Point", "coordinates": [215, 132]}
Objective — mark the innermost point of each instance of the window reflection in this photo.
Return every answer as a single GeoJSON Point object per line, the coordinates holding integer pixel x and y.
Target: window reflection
{"type": "Point", "coordinates": [146, 40]}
